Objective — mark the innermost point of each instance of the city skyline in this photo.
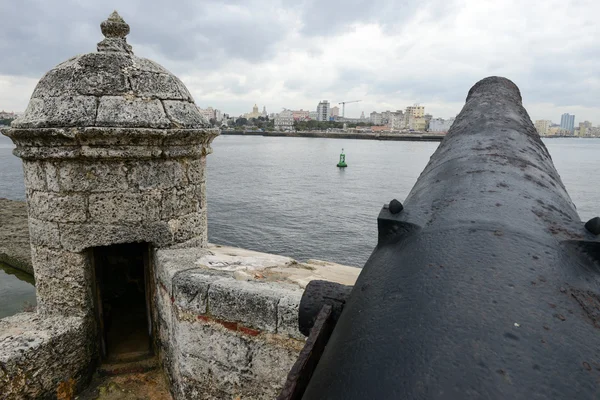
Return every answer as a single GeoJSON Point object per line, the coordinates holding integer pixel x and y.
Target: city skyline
{"type": "Point", "coordinates": [282, 54]}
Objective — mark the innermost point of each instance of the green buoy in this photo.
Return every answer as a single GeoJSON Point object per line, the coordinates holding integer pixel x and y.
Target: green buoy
{"type": "Point", "coordinates": [342, 163]}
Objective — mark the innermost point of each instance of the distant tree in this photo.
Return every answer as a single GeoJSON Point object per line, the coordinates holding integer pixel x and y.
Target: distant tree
{"type": "Point", "coordinates": [213, 121]}
{"type": "Point", "coordinates": [241, 121]}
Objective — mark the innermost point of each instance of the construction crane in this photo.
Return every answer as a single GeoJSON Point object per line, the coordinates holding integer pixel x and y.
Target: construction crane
{"type": "Point", "coordinates": [343, 103]}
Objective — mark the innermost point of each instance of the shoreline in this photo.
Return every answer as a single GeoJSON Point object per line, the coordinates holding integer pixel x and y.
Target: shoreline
{"type": "Point", "coordinates": [421, 137]}
{"type": "Point", "coordinates": [15, 250]}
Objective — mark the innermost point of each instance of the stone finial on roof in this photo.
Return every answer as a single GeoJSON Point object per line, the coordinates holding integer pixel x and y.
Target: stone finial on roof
{"type": "Point", "coordinates": [114, 30]}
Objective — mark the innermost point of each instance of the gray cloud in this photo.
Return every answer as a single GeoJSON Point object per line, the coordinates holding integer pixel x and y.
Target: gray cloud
{"type": "Point", "coordinates": [237, 51]}
{"type": "Point", "coordinates": [37, 35]}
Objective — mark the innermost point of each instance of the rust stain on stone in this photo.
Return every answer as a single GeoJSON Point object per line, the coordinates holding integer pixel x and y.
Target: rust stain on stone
{"type": "Point", "coordinates": [590, 303]}
{"type": "Point", "coordinates": [66, 390]}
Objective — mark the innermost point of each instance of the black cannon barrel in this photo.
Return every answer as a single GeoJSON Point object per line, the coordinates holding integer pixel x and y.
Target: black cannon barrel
{"type": "Point", "coordinates": [485, 286]}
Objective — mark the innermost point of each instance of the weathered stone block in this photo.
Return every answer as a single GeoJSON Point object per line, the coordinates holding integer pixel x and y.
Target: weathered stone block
{"type": "Point", "coordinates": [130, 111]}
{"type": "Point", "coordinates": [190, 289]}
{"type": "Point", "coordinates": [178, 202]}
{"type": "Point", "coordinates": [89, 74]}
{"type": "Point", "coordinates": [35, 175]}
{"type": "Point", "coordinates": [39, 353]}
{"type": "Point", "coordinates": [211, 342]}
{"type": "Point", "coordinates": [52, 177]}
{"type": "Point", "coordinates": [125, 152]}
{"type": "Point", "coordinates": [170, 262]}
{"type": "Point", "coordinates": [115, 208]}
{"type": "Point", "coordinates": [184, 91]}
{"type": "Point", "coordinates": [250, 303]}
{"type": "Point", "coordinates": [157, 174]}
{"type": "Point", "coordinates": [93, 176]}
{"type": "Point", "coordinates": [287, 314]}
{"type": "Point", "coordinates": [44, 233]}
{"type": "Point", "coordinates": [155, 85]}
{"type": "Point", "coordinates": [57, 207]}
{"type": "Point", "coordinates": [188, 226]}
{"type": "Point", "coordinates": [61, 111]}
{"type": "Point", "coordinates": [196, 171]}
{"type": "Point", "coordinates": [184, 114]}
{"type": "Point", "coordinates": [145, 64]}
{"type": "Point", "coordinates": [191, 150]}
{"type": "Point", "coordinates": [63, 281]}
{"type": "Point", "coordinates": [270, 366]}
{"type": "Point", "coordinates": [77, 237]}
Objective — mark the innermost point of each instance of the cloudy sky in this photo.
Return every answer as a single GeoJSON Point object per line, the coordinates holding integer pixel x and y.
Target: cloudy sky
{"type": "Point", "coordinates": [293, 53]}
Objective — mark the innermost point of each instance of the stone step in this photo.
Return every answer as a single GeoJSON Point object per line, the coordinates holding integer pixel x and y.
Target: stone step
{"type": "Point", "coordinates": [134, 365]}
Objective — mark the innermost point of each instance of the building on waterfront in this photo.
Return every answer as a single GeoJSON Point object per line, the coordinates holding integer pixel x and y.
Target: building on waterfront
{"type": "Point", "coordinates": [567, 122]}
{"type": "Point", "coordinates": [211, 114]}
{"type": "Point", "coordinates": [335, 111]}
{"type": "Point", "coordinates": [312, 115]}
{"type": "Point", "coordinates": [264, 113]}
{"type": "Point", "coordinates": [254, 114]}
{"type": "Point", "coordinates": [415, 111]}
{"type": "Point", "coordinates": [440, 125]}
{"type": "Point", "coordinates": [418, 124]}
{"type": "Point", "coordinates": [555, 130]}
{"type": "Point", "coordinates": [301, 115]}
{"type": "Point", "coordinates": [323, 111]}
{"type": "Point", "coordinates": [585, 128]}
{"type": "Point", "coordinates": [284, 121]}
{"type": "Point", "coordinates": [376, 118]}
{"type": "Point", "coordinates": [8, 115]}
{"type": "Point", "coordinates": [396, 121]}
{"type": "Point", "coordinates": [542, 126]}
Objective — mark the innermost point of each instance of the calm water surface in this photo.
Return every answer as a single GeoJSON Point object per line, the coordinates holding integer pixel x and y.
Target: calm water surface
{"type": "Point", "coordinates": [285, 195]}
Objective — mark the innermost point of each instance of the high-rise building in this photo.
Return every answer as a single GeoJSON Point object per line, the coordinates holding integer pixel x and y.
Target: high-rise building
{"type": "Point", "coordinates": [567, 122]}
{"type": "Point", "coordinates": [323, 111]}
{"type": "Point", "coordinates": [335, 111]}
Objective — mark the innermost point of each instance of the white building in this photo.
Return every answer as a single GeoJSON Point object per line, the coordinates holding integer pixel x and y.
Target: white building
{"type": "Point", "coordinates": [440, 124]}
{"type": "Point", "coordinates": [284, 121]}
{"type": "Point", "coordinates": [323, 111]}
{"type": "Point", "coordinates": [218, 115]}
{"type": "Point", "coordinates": [208, 113]}
{"type": "Point", "coordinates": [543, 126]}
{"type": "Point", "coordinates": [312, 115]}
{"type": "Point", "coordinates": [396, 121]}
{"type": "Point", "coordinates": [376, 118]}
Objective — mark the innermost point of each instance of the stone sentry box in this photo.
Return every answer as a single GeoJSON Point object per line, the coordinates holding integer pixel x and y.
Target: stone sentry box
{"type": "Point", "coordinates": [113, 151]}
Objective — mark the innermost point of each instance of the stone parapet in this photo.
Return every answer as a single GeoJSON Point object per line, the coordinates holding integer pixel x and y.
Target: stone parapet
{"type": "Point", "coordinates": [227, 318]}
{"type": "Point", "coordinates": [44, 357]}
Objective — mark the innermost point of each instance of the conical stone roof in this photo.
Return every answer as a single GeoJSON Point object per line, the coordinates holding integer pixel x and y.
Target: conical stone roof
{"type": "Point", "coordinates": [111, 88]}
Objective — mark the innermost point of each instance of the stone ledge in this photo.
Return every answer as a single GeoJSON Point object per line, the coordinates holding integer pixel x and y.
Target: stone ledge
{"type": "Point", "coordinates": [38, 355]}
{"type": "Point", "coordinates": [248, 289]}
